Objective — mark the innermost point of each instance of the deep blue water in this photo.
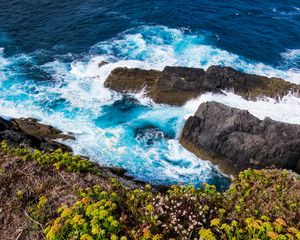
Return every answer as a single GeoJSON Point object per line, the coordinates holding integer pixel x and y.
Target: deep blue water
{"type": "Point", "coordinates": [49, 51]}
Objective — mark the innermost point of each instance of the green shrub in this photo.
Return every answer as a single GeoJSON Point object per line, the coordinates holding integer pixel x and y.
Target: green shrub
{"type": "Point", "coordinates": [260, 204]}
{"type": "Point", "coordinates": [273, 193]}
{"type": "Point", "coordinates": [95, 216]}
{"type": "Point", "coordinates": [251, 228]}
{"type": "Point", "coordinates": [59, 159]}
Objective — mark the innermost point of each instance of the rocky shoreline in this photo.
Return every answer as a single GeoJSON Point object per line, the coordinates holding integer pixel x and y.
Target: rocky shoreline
{"type": "Point", "coordinates": [30, 133]}
{"type": "Point", "coordinates": [231, 138]}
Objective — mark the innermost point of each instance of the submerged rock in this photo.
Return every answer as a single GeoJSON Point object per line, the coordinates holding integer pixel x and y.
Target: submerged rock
{"type": "Point", "coordinates": [236, 140]}
{"type": "Point", "coordinates": [177, 85]}
{"type": "Point", "coordinates": [31, 133]}
{"type": "Point", "coordinates": [102, 63]}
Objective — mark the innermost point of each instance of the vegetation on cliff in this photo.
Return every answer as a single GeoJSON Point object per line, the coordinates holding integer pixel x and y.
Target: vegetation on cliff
{"type": "Point", "coordinates": [60, 196]}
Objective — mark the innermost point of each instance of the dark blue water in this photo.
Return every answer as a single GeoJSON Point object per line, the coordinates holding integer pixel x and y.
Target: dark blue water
{"type": "Point", "coordinates": [49, 55]}
{"type": "Point", "coordinates": [258, 30]}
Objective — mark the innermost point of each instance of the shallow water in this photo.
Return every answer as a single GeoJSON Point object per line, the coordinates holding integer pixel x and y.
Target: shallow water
{"type": "Point", "coordinates": [49, 70]}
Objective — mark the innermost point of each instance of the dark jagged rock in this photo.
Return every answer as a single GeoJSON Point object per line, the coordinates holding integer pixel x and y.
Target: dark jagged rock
{"type": "Point", "coordinates": [31, 133]}
{"type": "Point", "coordinates": [177, 85]}
{"type": "Point", "coordinates": [236, 140]}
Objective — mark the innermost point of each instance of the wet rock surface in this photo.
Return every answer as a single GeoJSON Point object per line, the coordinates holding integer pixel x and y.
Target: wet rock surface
{"type": "Point", "coordinates": [236, 140]}
{"type": "Point", "coordinates": [249, 86]}
{"type": "Point", "coordinates": [131, 79]}
{"type": "Point", "coordinates": [177, 85]}
{"type": "Point", "coordinates": [29, 132]}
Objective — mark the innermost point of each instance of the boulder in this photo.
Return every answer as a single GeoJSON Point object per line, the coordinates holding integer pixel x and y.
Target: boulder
{"type": "Point", "coordinates": [236, 140]}
{"type": "Point", "coordinates": [31, 133]}
{"type": "Point", "coordinates": [177, 85]}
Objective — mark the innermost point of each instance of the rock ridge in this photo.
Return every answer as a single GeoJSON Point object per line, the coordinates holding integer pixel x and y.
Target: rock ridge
{"type": "Point", "coordinates": [177, 85]}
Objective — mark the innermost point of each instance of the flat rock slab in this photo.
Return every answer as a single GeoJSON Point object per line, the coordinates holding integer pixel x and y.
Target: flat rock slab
{"type": "Point", "coordinates": [236, 140]}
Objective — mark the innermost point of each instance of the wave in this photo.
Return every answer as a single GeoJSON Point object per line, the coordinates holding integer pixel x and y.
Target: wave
{"type": "Point", "coordinates": [158, 46]}
{"type": "Point", "coordinates": [292, 57]}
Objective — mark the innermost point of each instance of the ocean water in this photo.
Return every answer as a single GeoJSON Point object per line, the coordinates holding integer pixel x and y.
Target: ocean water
{"type": "Point", "coordinates": [49, 55]}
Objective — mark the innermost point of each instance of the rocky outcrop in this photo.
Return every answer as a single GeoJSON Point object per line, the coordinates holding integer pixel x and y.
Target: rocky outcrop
{"type": "Point", "coordinates": [31, 133]}
{"type": "Point", "coordinates": [236, 140]}
{"type": "Point", "coordinates": [177, 85]}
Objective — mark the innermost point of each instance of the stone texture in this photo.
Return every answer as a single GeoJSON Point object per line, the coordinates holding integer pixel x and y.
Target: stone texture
{"type": "Point", "coordinates": [31, 133]}
{"type": "Point", "coordinates": [249, 86]}
{"type": "Point", "coordinates": [131, 79]}
{"type": "Point", "coordinates": [236, 140]}
{"type": "Point", "coordinates": [177, 85]}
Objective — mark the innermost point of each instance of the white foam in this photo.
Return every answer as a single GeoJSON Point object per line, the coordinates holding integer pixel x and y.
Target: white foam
{"type": "Point", "coordinates": [291, 54]}
{"type": "Point", "coordinates": [159, 46]}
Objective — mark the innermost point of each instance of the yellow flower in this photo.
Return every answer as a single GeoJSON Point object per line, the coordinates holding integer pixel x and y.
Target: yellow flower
{"type": "Point", "coordinates": [206, 234]}
{"type": "Point", "coordinates": [132, 197]}
{"type": "Point", "coordinates": [150, 208]}
{"type": "Point", "coordinates": [114, 195]}
{"type": "Point", "coordinates": [114, 237]}
{"type": "Point", "coordinates": [85, 200]}
{"type": "Point", "coordinates": [157, 237]}
{"type": "Point", "coordinates": [272, 235]}
{"type": "Point", "coordinates": [86, 237]}
{"type": "Point", "coordinates": [280, 221]}
{"type": "Point", "coordinates": [76, 219]}
{"type": "Point", "coordinates": [147, 233]}
{"type": "Point", "coordinates": [67, 212]}
{"type": "Point", "coordinates": [215, 222]}
{"type": "Point", "coordinates": [234, 223]}
{"type": "Point", "coordinates": [265, 218]}
{"type": "Point", "coordinates": [115, 223]}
